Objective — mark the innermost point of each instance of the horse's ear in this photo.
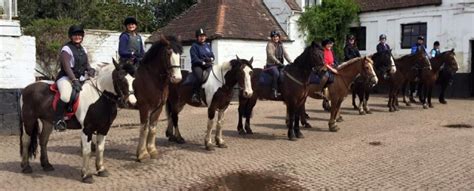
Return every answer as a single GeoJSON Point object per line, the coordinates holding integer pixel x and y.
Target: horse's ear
{"type": "Point", "coordinates": [452, 50]}
{"type": "Point", "coordinates": [251, 61]}
{"type": "Point", "coordinates": [237, 57]}
{"type": "Point", "coordinates": [370, 56]}
{"type": "Point", "coordinates": [117, 66]}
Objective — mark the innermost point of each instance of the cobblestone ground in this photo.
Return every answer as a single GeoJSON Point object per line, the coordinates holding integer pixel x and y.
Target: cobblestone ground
{"type": "Point", "coordinates": [409, 149]}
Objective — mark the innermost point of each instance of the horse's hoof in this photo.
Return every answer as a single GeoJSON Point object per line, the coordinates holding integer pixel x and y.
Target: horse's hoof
{"type": "Point", "coordinates": [397, 109]}
{"type": "Point", "coordinates": [241, 132]}
{"type": "Point", "coordinates": [104, 173]}
{"type": "Point", "coordinates": [361, 112]}
{"type": "Point", "coordinates": [339, 119]}
{"type": "Point", "coordinates": [172, 138]}
{"type": "Point", "coordinates": [154, 155]}
{"type": "Point", "coordinates": [168, 134]}
{"type": "Point", "coordinates": [368, 112]}
{"type": "Point", "coordinates": [292, 138]}
{"type": "Point", "coordinates": [143, 157]}
{"type": "Point", "coordinates": [180, 140]}
{"type": "Point", "coordinates": [27, 170]}
{"type": "Point", "coordinates": [425, 106]}
{"type": "Point", "coordinates": [222, 145]}
{"type": "Point", "coordinates": [307, 125]}
{"type": "Point", "coordinates": [408, 104]}
{"type": "Point", "coordinates": [333, 127]}
{"type": "Point", "coordinates": [306, 116]}
{"type": "Point", "coordinates": [88, 179]}
{"type": "Point", "coordinates": [210, 148]}
{"type": "Point", "coordinates": [48, 167]}
{"type": "Point", "coordinates": [431, 106]}
{"type": "Point", "coordinates": [355, 107]}
{"type": "Point", "coordinates": [442, 101]}
{"type": "Point", "coordinates": [299, 135]}
{"type": "Point", "coordinates": [249, 131]}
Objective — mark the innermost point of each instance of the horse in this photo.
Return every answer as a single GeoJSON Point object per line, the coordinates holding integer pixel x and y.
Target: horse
{"type": "Point", "coordinates": [294, 90]}
{"type": "Point", "coordinates": [407, 68]}
{"type": "Point", "coordinates": [218, 91]}
{"type": "Point", "coordinates": [159, 67]}
{"type": "Point", "coordinates": [339, 89]}
{"type": "Point", "coordinates": [445, 60]}
{"type": "Point", "coordinates": [444, 80]}
{"type": "Point", "coordinates": [96, 110]}
{"type": "Point", "coordinates": [384, 66]}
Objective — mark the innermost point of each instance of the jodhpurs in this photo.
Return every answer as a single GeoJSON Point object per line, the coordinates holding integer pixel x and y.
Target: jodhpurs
{"type": "Point", "coordinates": [65, 88]}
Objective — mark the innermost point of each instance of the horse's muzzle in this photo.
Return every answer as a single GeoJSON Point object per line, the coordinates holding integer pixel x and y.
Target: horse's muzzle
{"type": "Point", "coordinates": [247, 94]}
{"type": "Point", "coordinates": [373, 81]}
{"type": "Point", "coordinates": [175, 79]}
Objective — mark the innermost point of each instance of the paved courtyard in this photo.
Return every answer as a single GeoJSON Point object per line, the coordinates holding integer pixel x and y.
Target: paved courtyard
{"type": "Point", "coordinates": [410, 149]}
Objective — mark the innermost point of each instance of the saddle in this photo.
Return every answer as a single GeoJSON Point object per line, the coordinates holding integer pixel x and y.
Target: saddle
{"type": "Point", "coordinates": [266, 78]}
{"type": "Point", "coordinates": [191, 79]}
{"type": "Point", "coordinates": [73, 104]}
{"type": "Point", "coordinates": [316, 78]}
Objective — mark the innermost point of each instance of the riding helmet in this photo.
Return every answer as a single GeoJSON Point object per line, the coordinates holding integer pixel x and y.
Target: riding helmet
{"type": "Point", "coordinates": [326, 41]}
{"type": "Point", "coordinates": [274, 33]}
{"type": "Point", "coordinates": [200, 32]}
{"type": "Point", "coordinates": [350, 37]}
{"type": "Point", "coordinates": [383, 36]}
{"type": "Point", "coordinates": [421, 37]}
{"type": "Point", "coordinates": [130, 20]}
{"type": "Point", "coordinates": [75, 29]}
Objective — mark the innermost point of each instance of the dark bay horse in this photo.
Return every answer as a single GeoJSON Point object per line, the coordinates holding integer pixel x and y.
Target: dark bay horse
{"type": "Point", "coordinates": [218, 90]}
{"type": "Point", "coordinates": [407, 68]}
{"type": "Point", "coordinates": [339, 89]}
{"type": "Point", "coordinates": [294, 90]}
{"type": "Point", "coordinates": [446, 60]}
{"type": "Point", "coordinates": [160, 65]}
{"type": "Point", "coordinates": [96, 111]}
{"type": "Point", "coordinates": [384, 66]}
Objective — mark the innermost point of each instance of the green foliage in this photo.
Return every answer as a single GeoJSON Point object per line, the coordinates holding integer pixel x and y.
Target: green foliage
{"type": "Point", "coordinates": [330, 20]}
{"type": "Point", "coordinates": [51, 34]}
{"type": "Point", "coordinates": [166, 11]}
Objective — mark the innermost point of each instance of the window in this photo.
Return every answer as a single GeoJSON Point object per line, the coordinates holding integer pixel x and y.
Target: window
{"type": "Point", "coordinates": [410, 33]}
{"type": "Point", "coordinates": [361, 36]}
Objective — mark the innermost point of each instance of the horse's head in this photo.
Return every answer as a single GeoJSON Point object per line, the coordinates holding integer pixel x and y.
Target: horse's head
{"type": "Point", "coordinates": [384, 62]}
{"type": "Point", "coordinates": [422, 59]}
{"type": "Point", "coordinates": [243, 73]}
{"type": "Point", "coordinates": [164, 57]}
{"type": "Point", "coordinates": [122, 79]}
{"type": "Point", "coordinates": [449, 59]}
{"type": "Point", "coordinates": [317, 56]}
{"type": "Point", "coordinates": [174, 51]}
{"type": "Point", "coordinates": [368, 71]}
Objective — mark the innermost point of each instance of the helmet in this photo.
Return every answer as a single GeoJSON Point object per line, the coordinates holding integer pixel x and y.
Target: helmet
{"type": "Point", "coordinates": [382, 36]}
{"type": "Point", "coordinates": [75, 29]}
{"type": "Point", "coordinates": [421, 37]}
{"type": "Point", "coordinates": [200, 32]}
{"type": "Point", "coordinates": [436, 43]}
{"type": "Point", "coordinates": [130, 20]}
{"type": "Point", "coordinates": [326, 41]}
{"type": "Point", "coordinates": [350, 37]}
{"type": "Point", "coordinates": [274, 33]}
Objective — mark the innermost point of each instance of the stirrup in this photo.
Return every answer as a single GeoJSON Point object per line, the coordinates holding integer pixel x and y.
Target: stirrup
{"type": "Point", "coordinates": [60, 125]}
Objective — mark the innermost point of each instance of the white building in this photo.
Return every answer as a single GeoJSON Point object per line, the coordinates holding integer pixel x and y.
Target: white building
{"type": "Point", "coordinates": [451, 22]}
{"type": "Point", "coordinates": [239, 27]}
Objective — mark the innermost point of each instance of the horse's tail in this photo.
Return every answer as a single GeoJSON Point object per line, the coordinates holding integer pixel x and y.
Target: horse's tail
{"type": "Point", "coordinates": [33, 137]}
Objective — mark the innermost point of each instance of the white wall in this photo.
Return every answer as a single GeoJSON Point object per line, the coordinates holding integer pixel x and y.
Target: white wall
{"type": "Point", "coordinates": [452, 24]}
{"type": "Point", "coordinates": [102, 45]}
{"type": "Point", "coordinates": [17, 61]}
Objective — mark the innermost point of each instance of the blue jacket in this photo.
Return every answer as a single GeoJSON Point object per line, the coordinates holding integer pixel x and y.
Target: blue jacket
{"type": "Point", "coordinates": [199, 52]}
{"type": "Point", "coordinates": [124, 50]}
{"type": "Point", "coordinates": [415, 48]}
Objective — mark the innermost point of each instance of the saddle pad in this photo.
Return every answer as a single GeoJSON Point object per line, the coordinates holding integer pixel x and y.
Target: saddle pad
{"type": "Point", "coordinates": [54, 88]}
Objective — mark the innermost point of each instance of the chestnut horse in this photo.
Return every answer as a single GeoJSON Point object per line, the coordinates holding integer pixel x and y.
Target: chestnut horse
{"type": "Point", "coordinates": [218, 90]}
{"type": "Point", "coordinates": [339, 89]}
{"type": "Point", "coordinates": [293, 87]}
{"type": "Point", "coordinates": [160, 65]}
{"type": "Point", "coordinates": [96, 111]}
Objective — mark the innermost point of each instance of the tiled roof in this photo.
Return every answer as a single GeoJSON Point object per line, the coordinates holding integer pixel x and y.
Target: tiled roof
{"type": "Point", "coordinates": [378, 5]}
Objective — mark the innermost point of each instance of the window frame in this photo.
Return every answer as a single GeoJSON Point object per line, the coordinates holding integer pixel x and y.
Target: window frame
{"type": "Point", "coordinates": [419, 28]}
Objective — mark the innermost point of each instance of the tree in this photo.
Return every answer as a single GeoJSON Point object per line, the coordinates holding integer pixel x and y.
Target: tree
{"type": "Point", "coordinates": [330, 20]}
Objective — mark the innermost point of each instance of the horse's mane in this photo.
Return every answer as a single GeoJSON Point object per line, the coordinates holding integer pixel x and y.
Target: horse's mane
{"type": "Point", "coordinates": [307, 51]}
{"type": "Point", "coordinates": [158, 46]}
{"type": "Point", "coordinates": [350, 62]}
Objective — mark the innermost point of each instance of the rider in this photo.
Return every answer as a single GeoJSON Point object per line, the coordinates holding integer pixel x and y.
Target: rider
{"type": "Point", "coordinates": [418, 46]}
{"type": "Point", "coordinates": [202, 59]}
{"type": "Point", "coordinates": [275, 55]}
{"type": "Point", "coordinates": [74, 66]}
{"type": "Point", "coordinates": [350, 50]}
{"type": "Point", "coordinates": [435, 51]}
{"type": "Point", "coordinates": [130, 43]}
{"type": "Point", "coordinates": [329, 57]}
{"type": "Point", "coordinates": [382, 46]}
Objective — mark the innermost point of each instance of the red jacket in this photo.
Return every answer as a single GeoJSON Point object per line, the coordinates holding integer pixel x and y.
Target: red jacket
{"type": "Point", "coordinates": [328, 57]}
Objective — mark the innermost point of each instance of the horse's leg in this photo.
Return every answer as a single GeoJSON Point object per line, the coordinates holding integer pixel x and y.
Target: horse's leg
{"type": "Point", "coordinates": [424, 94]}
{"type": "Point", "coordinates": [441, 98]}
{"type": "Point", "coordinates": [366, 100]}
{"type": "Point", "coordinates": [99, 160]}
{"type": "Point", "coordinates": [338, 113]}
{"type": "Point", "coordinates": [413, 88]}
{"type": "Point", "coordinates": [177, 133]}
{"type": "Point", "coordinates": [248, 114]}
{"type": "Point", "coordinates": [150, 142]}
{"type": "Point", "coordinates": [354, 97]}
{"type": "Point", "coordinates": [142, 153]}
{"type": "Point", "coordinates": [332, 120]}
{"type": "Point", "coordinates": [290, 110]}
{"type": "Point", "coordinates": [303, 118]}
{"type": "Point", "coordinates": [248, 130]}
{"type": "Point", "coordinates": [429, 94]}
{"type": "Point", "coordinates": [220, 123]}
{"type": "Point", "coordinates": [44, 137]}
{"type": "Point", "coordinates": [361, 102]}
{"type": "Point", "coordinates": [28, 139]}
{"type": "Point", "coordinates": [210, 125]}
{"type": "Point", "coordinates": [296, 126]}
{"type": "Point", "coordinates": [170, 128]}
{"type": "Point", "coordinates": [240, 126]}
{"type": "Point", "coordinates": [86, 154]}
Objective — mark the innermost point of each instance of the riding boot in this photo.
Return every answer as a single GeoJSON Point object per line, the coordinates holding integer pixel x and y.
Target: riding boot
{"type": "Point", "coordinates": [275, 88]}
{"type": "Point", "coordinates": [196, 98]}
{"type": "Point", "coordinates": [59, 123]}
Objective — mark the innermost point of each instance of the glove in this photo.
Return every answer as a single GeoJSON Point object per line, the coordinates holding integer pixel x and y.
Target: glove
{"type": "Point", "coordinates": [207, 60]}
{"type": "Point", "coordinates": [76, 85]}
{"type": "Point", "coordinates": [91, 72]}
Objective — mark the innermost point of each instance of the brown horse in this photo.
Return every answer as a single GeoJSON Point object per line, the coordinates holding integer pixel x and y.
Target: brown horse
{"type": "Point", "coordinates": [446, 60]}
{"type": "Point", "coordinates": [384, 65]}
{"type": "Point", "coordinates": [218, 90]}
{"type": "Point", "coordinates": [294, 90]}
{"type": "Point", "coordinates": [96, 111]}
{"type": "Point", "coordinates": [160, 65]}
{"type": "Point", "coordinates": [339, 89]}
{"type": "Point", "coordinates": [407, 68]}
